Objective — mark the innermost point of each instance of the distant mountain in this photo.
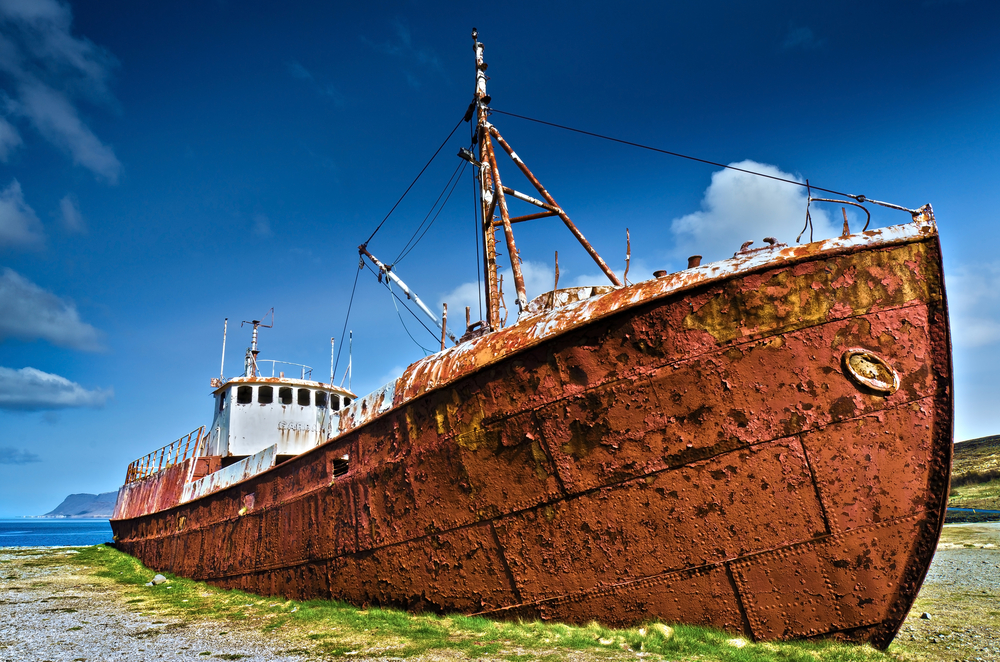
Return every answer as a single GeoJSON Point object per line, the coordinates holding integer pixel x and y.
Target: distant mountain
{"type": "Point", "coordinates": [86, 505]}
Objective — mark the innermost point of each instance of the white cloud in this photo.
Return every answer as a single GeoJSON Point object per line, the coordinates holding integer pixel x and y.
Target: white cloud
{"type": "Point", "coordinates": [71, 217]}
{"type": "Point", "coordinates": [19, 225]}
{"type": "Point", "coordinates": [29, 313]}
{"type": "Point", "coordinates": [402, 47]}
{"type": "Point", "coordinates": [327, 89]}
{"type": "Point", "coordinates": [801, 37]}
{"type": "Point", "coordinates": [390, 375]}
{"type": "Point", "coordinates": [16, 456]}
{"type": "Point", "coordinates": [738, 207]}
{"type": "Point", "coordinates": [58, 122]}
{"type": "Point", "coordinates": [974, 305]}
{"type": "Point", "coordinates": [29, 389]}
{"type": "Point", "coordinates": [46, 68]}
{"type": "Point", "coordinates": [9, 139]}
{"type": "Point", "coordinates": [539, 278]}
{"type": "Point", "coordinates": [261, 225]}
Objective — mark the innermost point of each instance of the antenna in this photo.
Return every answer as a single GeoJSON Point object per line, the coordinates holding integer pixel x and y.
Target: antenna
{"type": "Point", "coordinates": [331, 361]}
{"type": "Point", "coordinates": [250, 363]}
{"type": "Point", "coordinates": [222, 368]}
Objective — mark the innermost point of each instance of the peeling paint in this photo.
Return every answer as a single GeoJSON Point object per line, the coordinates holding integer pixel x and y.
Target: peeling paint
{"type": "Point", "coordinates": [686, 449]}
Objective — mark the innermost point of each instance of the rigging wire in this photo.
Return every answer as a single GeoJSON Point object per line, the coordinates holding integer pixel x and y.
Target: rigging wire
{"type": "Point", "coordinates": [407, 309]}
{"type": "Point", "coordinates": [426, 351]}
{"type": "Point", "coordinates": [860, 198]}
{"type": "Point", "coordinates": [361, 262]}
{"type": "Point", "coordinates": [436, 152]}
{"type": "Point", "coordinates": [348, 316]}
{"type": "Point", "coordinates": [409, 247]}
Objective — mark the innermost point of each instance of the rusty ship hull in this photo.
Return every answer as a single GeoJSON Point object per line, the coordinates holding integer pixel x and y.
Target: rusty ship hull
{"type": "Point", "coordinates": [686, 449]}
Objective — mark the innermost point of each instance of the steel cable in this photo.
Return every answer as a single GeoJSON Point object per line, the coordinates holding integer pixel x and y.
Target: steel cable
{"type": "Point", "coordinates": [860, 198]}
{"type": "Point", "coordinates": [336, 363]}
{"type": "Point", "coordinates": [407, 309]}
{"type": "Point", "coordinates": [409, 247]}
{"type": "Point", "coordinates": [436, 152]}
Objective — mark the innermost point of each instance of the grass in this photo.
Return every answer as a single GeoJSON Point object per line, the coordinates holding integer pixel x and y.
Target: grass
{"type": "Point", "coordinates": [976, 495]}
{"type": "Point", "coordinates": [975, 478]}
{"type": "Point", "coordinates": [976, 461]}
{"type": "Point", "coordinates": [330, 629]}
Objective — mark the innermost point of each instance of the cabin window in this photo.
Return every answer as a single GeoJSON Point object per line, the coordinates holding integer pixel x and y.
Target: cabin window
{"type": "Point", "coordinates": [304, 397]}
{"type": "Point", "coordinates": [285, 395]}
{"type": "Point", "coordinates": [265, 395]}
{"type": "Point", "coordinates": [244, 395]}
{"type": "Point", "coordinates": [335, 402]}
{"type": "Point", "coordinates": [321, 399]}
{"type": "Point", "coordinates": [222, 400]}
{"type": "Point", "coordinates": [347, 401]}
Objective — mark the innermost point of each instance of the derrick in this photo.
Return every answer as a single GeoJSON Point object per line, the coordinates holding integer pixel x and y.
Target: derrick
{"type": "Point", "coordinates": [493, 198]}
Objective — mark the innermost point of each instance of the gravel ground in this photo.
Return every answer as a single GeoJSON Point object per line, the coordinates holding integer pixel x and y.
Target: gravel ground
{"type": "Point", "coordinates": [962, 597]}
{"type": "Point", "coordinates": [62, 613]}
{"type": "Point", "coordinates": [50, 613]}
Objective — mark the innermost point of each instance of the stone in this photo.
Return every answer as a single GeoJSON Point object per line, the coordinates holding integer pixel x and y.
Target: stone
{"type": "Point", "coordinates": [159, 579]}
{"type": "Point", "coordinates": [665, 630]}
{"type": "Point", "coordinates": [925, 616]}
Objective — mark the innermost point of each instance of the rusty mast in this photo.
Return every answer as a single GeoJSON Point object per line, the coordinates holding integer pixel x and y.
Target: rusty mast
{"type": "Point", "coordinates": [493, 195]}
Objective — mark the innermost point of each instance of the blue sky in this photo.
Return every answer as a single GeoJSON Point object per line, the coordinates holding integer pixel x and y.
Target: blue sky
{"type": "Point", "coordinates": [164, 166]}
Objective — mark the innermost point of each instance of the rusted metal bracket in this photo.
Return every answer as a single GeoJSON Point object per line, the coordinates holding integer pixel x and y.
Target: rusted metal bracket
{"type": "Point", "coordinates": [527, 198]}
{"type": "Point", "coordinates": [855, 204]}
{"type": "Point", "coordinates": [548, 198]}
{"type": "Point", "coordinates": [532, 217]}
{"type": "Point", "coordinates": [493, 194]}
{"type": "Point", "coordinates": [515, 260]}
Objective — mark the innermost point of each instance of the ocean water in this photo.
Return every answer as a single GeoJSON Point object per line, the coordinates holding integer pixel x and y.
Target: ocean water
{"type": "Point", "coordinates": [53, 532]}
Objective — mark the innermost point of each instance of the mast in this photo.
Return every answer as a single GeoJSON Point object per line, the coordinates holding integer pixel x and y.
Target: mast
{"type": "Point", "coordinates": [486, 201]}
{"type": "Point", "coordinates": [493, 196]}
{"type": "Point", "coordinates": [250, 361]}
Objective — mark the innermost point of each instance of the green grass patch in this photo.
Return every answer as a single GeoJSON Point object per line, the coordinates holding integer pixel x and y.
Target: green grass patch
{"type": "Point", "coordinates": [336, 629]}
{"type": "Point", "coordinates": [976, 495]}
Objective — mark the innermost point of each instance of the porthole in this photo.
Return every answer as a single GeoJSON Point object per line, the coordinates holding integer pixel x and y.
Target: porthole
{"type": "Point", "coordinates": [871, 371]}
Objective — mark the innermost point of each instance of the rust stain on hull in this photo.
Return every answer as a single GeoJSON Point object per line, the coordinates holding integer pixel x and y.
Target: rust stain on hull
{"type": "Point", "coordinates": [696, 456]}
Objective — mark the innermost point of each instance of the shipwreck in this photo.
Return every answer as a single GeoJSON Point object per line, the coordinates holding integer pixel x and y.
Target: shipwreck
{"type": "Point", "coordinates": [760, 444]}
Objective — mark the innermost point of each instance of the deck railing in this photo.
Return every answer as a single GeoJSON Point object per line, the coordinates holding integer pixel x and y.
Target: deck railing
{"type": "Point", "coordinates": [190, 445]}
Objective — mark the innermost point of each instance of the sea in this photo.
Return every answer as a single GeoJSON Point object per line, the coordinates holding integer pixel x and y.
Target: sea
{"type": "Point", "coordinates": [37, 532]}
